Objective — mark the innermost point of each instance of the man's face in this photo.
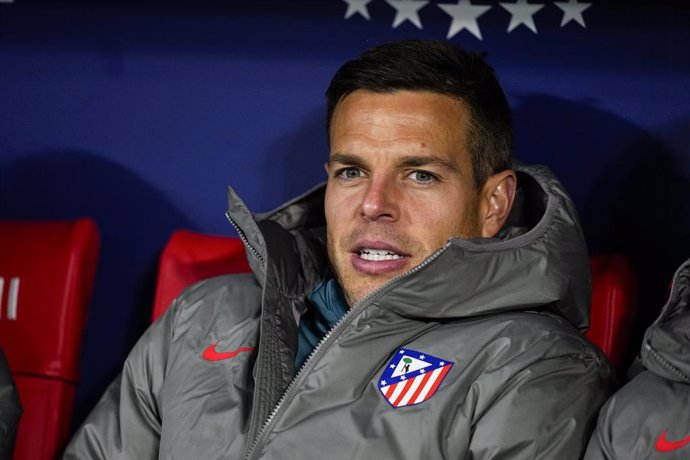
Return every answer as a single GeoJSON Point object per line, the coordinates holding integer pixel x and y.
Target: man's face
{"type": "Point", "coordinates": [400, 184]}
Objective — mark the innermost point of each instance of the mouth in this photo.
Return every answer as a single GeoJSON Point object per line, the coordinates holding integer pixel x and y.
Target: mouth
{"type": "Point", "coordinates": [379, 254]}
{"type": "Point", "coordinates": [378, 258]}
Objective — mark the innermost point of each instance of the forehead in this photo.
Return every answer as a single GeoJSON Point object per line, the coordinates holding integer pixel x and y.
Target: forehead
{"type": "Point", "coordinates": [432, 120]}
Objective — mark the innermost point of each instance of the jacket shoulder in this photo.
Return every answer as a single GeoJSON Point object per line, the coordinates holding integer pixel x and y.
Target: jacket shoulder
{"type": "Point", "coordinates": [219, 299]}
{"type": "Point", "coordinates": [537, 334]}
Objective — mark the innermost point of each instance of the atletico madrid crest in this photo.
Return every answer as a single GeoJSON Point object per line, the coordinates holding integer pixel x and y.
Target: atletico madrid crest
{"type": "Point", "coordinates": [412, 377]}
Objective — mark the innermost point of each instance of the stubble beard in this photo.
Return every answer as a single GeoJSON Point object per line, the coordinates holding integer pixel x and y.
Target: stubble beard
{"type": "Point", "coordinates": [355, 285]}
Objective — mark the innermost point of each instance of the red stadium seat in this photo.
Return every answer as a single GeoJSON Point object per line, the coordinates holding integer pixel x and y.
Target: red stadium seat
{"type": "Point", "coordinates": [614, 302]}
{"type": "Point", "coordinates": [190, 257]}
{"type": "Point", "coordinates": [46, 277]}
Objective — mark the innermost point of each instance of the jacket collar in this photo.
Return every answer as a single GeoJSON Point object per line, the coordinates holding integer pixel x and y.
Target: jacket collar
{"type": "Point", "coordinates": [539, 261]}
{"type": "Point", "coordinates": [666, 344]}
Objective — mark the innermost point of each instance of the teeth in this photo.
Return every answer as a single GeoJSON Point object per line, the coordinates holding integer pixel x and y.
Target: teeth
{"type": "Point", "coordinates": [376, 254]}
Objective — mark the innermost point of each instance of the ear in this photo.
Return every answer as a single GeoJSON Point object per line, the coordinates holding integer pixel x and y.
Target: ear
{"type": "Point", "coordinates": [496, 201]}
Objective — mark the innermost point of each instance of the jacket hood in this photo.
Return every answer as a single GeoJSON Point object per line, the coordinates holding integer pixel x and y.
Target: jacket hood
{"type": "Point", "coordinates": [666, 345]}
{"type": "Point", "coordinates": [538, 261]}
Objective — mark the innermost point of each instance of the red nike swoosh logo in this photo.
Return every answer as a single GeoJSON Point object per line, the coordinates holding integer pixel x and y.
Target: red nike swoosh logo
{"type": "Point", "coordinates": [210, 353]}
{"type": "Point", "coordinates": [664, 445]}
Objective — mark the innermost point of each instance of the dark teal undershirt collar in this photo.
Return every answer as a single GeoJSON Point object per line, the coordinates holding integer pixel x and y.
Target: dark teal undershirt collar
{"type": "Point", "coordinates": [328, 305]}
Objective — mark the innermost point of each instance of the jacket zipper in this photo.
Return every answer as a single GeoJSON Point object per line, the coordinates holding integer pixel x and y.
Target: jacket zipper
{"type": "Point", "coordinates": [661, 360]}
{"type": "Point", "coordinates": [648, 346]}
{"type": "Point", "coordinates": [318, 351]}
{"type": "Point", "coordinates": [244, 239]}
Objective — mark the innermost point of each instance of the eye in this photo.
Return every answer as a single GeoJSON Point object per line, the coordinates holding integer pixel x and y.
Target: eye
{"type": "Point", "coordinates": [348, 173]}
{"type": "Point", "coordinates": [423, 176]}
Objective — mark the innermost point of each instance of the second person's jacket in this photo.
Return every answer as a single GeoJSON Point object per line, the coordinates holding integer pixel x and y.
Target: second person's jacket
{"type": "Point", "coordinates": [649, 418]}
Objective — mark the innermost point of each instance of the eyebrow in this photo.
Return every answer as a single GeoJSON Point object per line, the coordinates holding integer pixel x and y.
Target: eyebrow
{"type": "Point", "coordinates": [408, 161]}
{"type": "Point", "coordinates": [346, 159]}
{"type": "Point", "coordinates": [416, 161]}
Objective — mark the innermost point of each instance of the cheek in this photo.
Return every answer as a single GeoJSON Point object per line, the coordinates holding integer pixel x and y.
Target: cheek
{"type": "Point", "coordinates": [338, 208]}
{"type": "Point", "coordinates": [328, 206]}
{"type": "Point", "coordinates": [336, 225]}
{"type": "Point", "coordinates": [438, 220]}
{"type": "Point", "coordinates": [423, 218]}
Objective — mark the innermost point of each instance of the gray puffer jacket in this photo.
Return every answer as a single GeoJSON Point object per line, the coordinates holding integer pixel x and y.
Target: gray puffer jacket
{"type": "Point", "coordinates": [649, 418]}
{"type": "Point", "coordinates": [475, 353]}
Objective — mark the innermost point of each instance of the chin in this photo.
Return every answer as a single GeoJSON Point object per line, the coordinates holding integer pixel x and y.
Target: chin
{"type": "Point", "coordinates": [357, 292]}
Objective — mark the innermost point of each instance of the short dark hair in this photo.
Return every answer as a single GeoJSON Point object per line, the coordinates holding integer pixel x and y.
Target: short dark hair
{"type": "Point", "coordinates": [439, 67]}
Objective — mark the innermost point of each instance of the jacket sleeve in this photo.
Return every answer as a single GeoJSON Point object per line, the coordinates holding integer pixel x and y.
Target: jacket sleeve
{"type": "Point", "coordinates": [632, 422]}
{"type": "Point", "coordinates": [545, 411]}
{"type": "Point", "coordinates": [600, 447]}
{"type": "Point", "coordinates": [10, 409]}
{"type": "Point", "coordinates": [125, 423]}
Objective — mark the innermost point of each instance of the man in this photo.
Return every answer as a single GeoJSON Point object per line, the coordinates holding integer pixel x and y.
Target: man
{"type": "Point", "coordinates": [432, 312]}
{"type": "Point", "coordinates": [649, 418]}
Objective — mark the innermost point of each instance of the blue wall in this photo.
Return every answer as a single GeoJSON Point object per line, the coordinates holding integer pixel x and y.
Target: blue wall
{"type": "Point", "coordinates": [140, 115]}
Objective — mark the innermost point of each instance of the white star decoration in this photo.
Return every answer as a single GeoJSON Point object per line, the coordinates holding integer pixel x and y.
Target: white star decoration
{"type": "Point", "coordinates": [464, 16]}
{"type": "Point", "coordinates": [521, 13]}
{"type": "Point", "coordinates": [407, 10]}
{"type": "Point", "coordinates": [572, 11]}
{"type": "Point", "coordinates": [357, 6]}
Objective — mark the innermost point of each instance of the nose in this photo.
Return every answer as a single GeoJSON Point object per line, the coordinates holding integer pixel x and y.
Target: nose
{"type": "Point", "coordinates": [381, 201]}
